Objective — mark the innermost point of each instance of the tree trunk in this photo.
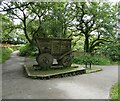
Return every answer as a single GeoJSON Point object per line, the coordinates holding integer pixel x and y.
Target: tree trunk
{"type": "Point", "coordinates": [64, 29]}
{"type": "Point", "coordinates": [86, 44]}
{"type": "Point", "coordinates": [90, 64]}
{"type": "Point", "coordinates": [86, 65]}
{"type": "Point", "coordinates": [25, 28]}
{"type": "Point", "coordinates": [25, 32]}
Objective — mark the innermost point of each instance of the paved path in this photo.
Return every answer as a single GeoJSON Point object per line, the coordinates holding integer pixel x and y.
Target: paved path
{"type": "Point", "coordinates": [88, 86]}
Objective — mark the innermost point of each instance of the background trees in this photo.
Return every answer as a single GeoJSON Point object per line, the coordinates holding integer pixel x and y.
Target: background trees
{"type": "Point", "coordinates": [9, 31]}
{"type": "Point", "coordinates": [91, 25]}
{"type": "Point", "coordinates": [94, 21]}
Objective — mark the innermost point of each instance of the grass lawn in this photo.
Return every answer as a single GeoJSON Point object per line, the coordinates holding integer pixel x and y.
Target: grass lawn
{"type": "Point", "coordinates": [115, 91]}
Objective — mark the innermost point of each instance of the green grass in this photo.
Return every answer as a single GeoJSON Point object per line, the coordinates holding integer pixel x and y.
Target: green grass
{"type": "Point", "coordinates": [115, 91]}
{"type": "Point", "coordinates": [32, 71]}
{"type": "Point", "coordinates": [4, 54]}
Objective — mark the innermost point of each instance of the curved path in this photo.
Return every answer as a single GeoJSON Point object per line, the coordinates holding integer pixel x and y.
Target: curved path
{"type": "Point", "coordinates": [88, 86]}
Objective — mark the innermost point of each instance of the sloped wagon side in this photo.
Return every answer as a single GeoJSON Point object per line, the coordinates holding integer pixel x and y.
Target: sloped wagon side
{"type": "Point", "coordinates": [54, 48]}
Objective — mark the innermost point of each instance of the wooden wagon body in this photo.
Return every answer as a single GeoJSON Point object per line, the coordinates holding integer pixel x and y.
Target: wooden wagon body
{"type": "Point", "coordinates": [54, 48]}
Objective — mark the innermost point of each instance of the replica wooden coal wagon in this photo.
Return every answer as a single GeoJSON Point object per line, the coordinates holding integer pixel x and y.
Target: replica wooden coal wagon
{"type": "Point", "coordinates": [54, 48]}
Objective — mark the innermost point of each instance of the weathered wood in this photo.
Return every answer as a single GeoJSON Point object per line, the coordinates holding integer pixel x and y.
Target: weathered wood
{"type": "Point", "coordinates": [54, 46]}
{"type": "Point", "coordinates": [60, 49]}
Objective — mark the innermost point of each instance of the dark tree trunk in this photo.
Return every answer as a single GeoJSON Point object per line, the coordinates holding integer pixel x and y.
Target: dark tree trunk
{"type": "Point", "coordinates": [90, 64]}
{"type": "Point", "coordinates": [25, 31]}
{"type": "Point", "coordinates": [86, 65]}
{"type": "Point", "coordinates": [86, 44]}
{"type": "Point", "coordinates": [27, 36]}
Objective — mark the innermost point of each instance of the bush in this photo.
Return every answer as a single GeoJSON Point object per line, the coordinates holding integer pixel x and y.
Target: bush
{"type": "Point", "coordinates": [16, 47]}
{"type": "Point", "coordinates": [95, 60]}
{"type": "Point", "coordinates": [28, 50]}
{"type": "Point", "coordinates": [100, 61]}
{"type": "Point", "coordinates": [5, 53]}
{"type": "Point", "coordinates": [112, 50]}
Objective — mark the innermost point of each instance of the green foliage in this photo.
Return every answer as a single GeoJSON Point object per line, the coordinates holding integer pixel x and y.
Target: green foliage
{"type": "Point", "coordinates": [9, 31]}
{"type": "Point", "coordinates": [28, 50]}
{"type": "Point", "coordinates": [115, 91]}
{"type": "Point", "coordinates": [95, 60]}
{"type": "Point", "coordinates": [5, 25]}
{"type": "Point", "coordinates": [5, 53]}
{"type": "Point", "coordinates": [100, 61]}
{"type": "Point", "coordinates": [92, 23]}
{"type": "Point", "coordinates": [112, 50]}
{"type": "Point", "coordinates": [52, 21]}
{"type": "Point", "coordinates": [16, 47]}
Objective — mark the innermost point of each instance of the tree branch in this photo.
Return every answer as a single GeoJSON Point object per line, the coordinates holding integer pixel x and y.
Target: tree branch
{"type": "Point", "coordinates": [12, 8]}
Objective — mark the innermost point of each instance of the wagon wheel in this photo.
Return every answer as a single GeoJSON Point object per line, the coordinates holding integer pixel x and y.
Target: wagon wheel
{"type": "Point", "coordinates": [45, 60]}
{"type": "Point", "coordinates": [66, 61]}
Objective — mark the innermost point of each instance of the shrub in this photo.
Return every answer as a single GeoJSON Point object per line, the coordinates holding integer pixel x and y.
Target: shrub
{"type": "Point", "coordinates": [112, 50]}
{"type": "Point", "coordinates": [16, 47]}
{"type": "Point", "coordinates": [5, 53]}
{"type": "Point", "coordinates": [95, 60]}
{"type": "Point", "coordinates": [28, 50]}
{"type": "Point", "coordinates": [100, 61]}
